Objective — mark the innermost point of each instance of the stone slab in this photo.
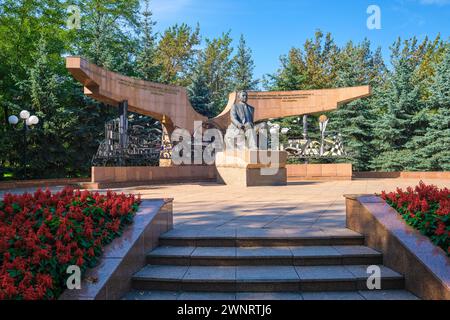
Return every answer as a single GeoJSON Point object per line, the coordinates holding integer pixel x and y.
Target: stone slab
{"type": "Point", "coordinates": [426, 268]}
{"type": "Point", "coordinates": [150, 175]}
{"type": "Point", "coordinates": [241, 177]}
{"type": "Point", "coordinates": [326, 171]}
{"type": "Point", "coordinates": [125, 255]}
{"type": "Point", "coordinates": [251, 159]}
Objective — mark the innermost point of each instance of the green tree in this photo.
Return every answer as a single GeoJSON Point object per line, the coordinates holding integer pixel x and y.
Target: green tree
{"type": "Point", "coordinates": [243, 67]}
{"type": "Point", "coordinates": [33, 40]}
{"type": "Point", "coordinates": [431, 54]}
{"type": "Point", "coordinates": [319, 61]}
{"type": "Point", "coordinates": [358, 66]}
{"type": "Point", "coordinates": [45, 144]}
{"type": "Point", "coordinates": [399, 110]}
{"type": "Point", "coordinates": [198, 91]}
{"type": "Point", "coordinates": [108, 36]}
{"type": "Point", "coordinates": [313, 67]}
{"type": "Point", "coordinates": [218, 69]}
{"type": "Point", "coordinates": [432, 147]}
{"type": "Point", "coordinates": [289, 76]}
{"type": "Point", "coordinates": [147, 68]}
{"type": "Point", "coordinates": [22, 24]}
{"type": "Point", "coordinates": [175, 53]}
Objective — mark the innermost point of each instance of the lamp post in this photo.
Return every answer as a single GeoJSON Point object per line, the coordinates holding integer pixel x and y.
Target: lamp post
{"type": "Point", "coordinates": [323, 122]}
{"type": "Point", "coordinates": [28, 122]}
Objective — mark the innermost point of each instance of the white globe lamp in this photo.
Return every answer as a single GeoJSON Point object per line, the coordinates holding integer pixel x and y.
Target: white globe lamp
{"type": "Point", "coordinates": [24, 114]}
{"type": "Point", "coordinates": [274, 130]}
{"type": "Point", "coordinates": [33, 120]}
{"type": "Point", "coordinates": [13, 120]}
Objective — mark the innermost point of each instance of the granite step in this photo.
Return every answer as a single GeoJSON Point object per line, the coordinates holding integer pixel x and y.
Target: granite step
{"type": "Point", "coordinates": [261, 296]}
{"type": "Point", "coordinates": [261, 278]}
{"type": "Point", "coordinates": [253, 256]}
{"type": "Point", "coordinates": [260, 237]}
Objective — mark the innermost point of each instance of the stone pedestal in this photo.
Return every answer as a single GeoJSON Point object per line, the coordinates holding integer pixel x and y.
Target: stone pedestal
{"type": "Point", "coordinates": [250, 168]}
{"type": "Point", "coordinates": [165, 163]}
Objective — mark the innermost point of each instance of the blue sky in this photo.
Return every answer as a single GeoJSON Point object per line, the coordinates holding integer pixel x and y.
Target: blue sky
{"type": "Point", "coordinates": [272, 27]}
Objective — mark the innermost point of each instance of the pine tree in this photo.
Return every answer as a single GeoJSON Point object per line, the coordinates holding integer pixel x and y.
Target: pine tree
{"type": "Point", "coordinates": [357, 66]}
{"type": "Point", "coordinates": [147, 68]}
{"type": "Point", "coordinates": [198, 91]}
{"type": "Point", "coordinates": [313, 67]}
{"type": "Point", "coordinates": [319, 61]}
{"type": "Point", "coordinates": [243, 68]}
{"type": "Point", "coordinates": [45, 143]}
{"type": "Point", "coordinates": [218, 69]}
{"type": "Point", "coordinates": [398, 108]}
{"type": "Point", "coordinates": [289, 76]}
{"type": "Point", "coordinates": [433, 147]}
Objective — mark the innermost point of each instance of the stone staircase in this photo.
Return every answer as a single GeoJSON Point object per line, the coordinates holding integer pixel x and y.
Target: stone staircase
{"type": "Point", "coordinates": [259, 264]}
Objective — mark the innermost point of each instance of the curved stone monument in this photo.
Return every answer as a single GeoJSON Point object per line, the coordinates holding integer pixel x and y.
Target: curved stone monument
{"type": "Point", "coordinates": [170, 105]}
{"type": "Point", "coordinates": [156, 100]}
{"type": "Point", "coordinates": [159, 100]}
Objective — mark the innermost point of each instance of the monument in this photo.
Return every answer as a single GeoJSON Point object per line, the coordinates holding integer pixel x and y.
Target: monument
{"type": "Point", "coordinates": [246, 160]}
{"type": "Point", "coordinates": [171, 107]}
{"type": "Point", "coordinates": [242, 131]}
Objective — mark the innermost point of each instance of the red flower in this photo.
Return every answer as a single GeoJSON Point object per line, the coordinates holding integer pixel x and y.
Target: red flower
{"type": "Point", "coordinates": [425, 206]}
{"type": "Point", "coordinates": [80, 261]}
{"type": "Point", "coordinates": [432, 203]}
{"type": "Point", "coordinates": [440, 230]}
{"type": "Point", "coordinates": [52, 229]}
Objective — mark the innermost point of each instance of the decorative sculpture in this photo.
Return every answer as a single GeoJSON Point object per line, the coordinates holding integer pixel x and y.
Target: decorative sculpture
{"type": "Point", "coordinates": [330, 145]}
{"type": "Point", "coordinates": [242, 132]}
{"type": "Point", "coordinates": [142, 147]}
{"type": "Point", "coordinates": [171, 102]}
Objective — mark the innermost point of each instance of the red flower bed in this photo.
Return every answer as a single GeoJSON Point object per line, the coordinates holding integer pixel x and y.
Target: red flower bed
{"type": "Point", "coordinates": [41, 234]}
{"type": "Point", "coordinates": [426, 208]}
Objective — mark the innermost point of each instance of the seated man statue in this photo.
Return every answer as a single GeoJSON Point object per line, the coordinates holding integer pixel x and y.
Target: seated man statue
{"type": "Point", "coordinates": [242, 132]}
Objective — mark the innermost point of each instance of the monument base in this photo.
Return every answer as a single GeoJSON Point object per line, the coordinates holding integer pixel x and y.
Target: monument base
{"type": "Point", "coordinates": [165, 163]}
{"type": "Point", "coordinates": [251, 168]}
{"type": "Point", "coordinates": [250, 177]}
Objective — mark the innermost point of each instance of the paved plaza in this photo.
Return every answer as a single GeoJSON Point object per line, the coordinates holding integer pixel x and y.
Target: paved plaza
{"type": "Point", "coordinates": [300, 205]}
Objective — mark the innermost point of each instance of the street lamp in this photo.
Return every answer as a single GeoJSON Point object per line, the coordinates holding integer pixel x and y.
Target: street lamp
{"type": "Point", "coordinates": [13, 120]}
{"type": "Point", "coordinates": [274, 129]}
{"type": "Point", "coordinates": [28, 122]}
{"type": "Point", "coordinates": [285, 131]}
{"type": "Point", "coordinates": [32, 121]}
{"type": "Point", "coordinates": [323, 122]}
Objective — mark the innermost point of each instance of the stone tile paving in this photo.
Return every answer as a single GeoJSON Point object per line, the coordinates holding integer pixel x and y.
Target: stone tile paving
{"type": "Point", "coordinates": [299, 205]}
{"type": "Point", "coordinates": [258, 296]}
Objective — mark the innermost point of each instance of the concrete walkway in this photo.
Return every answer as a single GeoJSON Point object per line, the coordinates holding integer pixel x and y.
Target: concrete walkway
{"type": "Point", "coordinates": [300, 205]}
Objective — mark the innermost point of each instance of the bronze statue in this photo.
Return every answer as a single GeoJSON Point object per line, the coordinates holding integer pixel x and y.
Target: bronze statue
{"type": "Point", "coordinates": [242, 132]}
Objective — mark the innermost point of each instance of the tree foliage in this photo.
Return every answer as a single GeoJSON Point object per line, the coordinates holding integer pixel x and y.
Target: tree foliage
{"type": "Point", "coordinates": [175, 53]}
{"type": "Point", "coordinates": [401, 126]}
{"type": "Point", "coordinates": [243, 68]}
